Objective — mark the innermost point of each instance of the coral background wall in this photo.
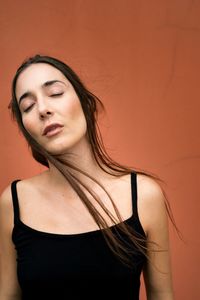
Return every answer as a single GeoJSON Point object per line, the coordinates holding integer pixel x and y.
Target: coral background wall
{"type": "Point", "coordinates": [142, 59]}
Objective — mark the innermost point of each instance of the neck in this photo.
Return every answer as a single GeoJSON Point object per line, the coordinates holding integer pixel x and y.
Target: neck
{"type": "Point", "coordinates": [82, 159]}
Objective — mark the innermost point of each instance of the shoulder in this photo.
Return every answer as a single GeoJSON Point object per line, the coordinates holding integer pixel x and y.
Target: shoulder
{"type": "Point", "coordinates": [24, 187]}
{"type": "Point", "coordinates": [6, 208]}
{"type": "Point", "coordinates": [151, 202]}
{"type": "Point", "coordinates": [30, 183]}
{"type": "Point", "coordinates": [150, 189]}
{"type": "Point", "coordinates": [8, 252]}
{"type": "Point", "coordinates": [6, 195]}
{"type": "Point", "coordinates": [6, 198]}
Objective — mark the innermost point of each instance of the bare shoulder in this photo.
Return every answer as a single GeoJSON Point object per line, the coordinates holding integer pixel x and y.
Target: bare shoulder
{"type": "Point", "coordinates": [150, 189]}
{"type": "Point", "coordinates": [6, 203]}
{"type": "Point", "coordinates": [6, 194]}
{"type": "Point", "coordinates": [6, 206]}
{"type": "Point", "coordinates": [28, 185]}
{"type": "Point", "coordinates": [8, 280]}
{"type": "Point", "coordinates": [151, 202]}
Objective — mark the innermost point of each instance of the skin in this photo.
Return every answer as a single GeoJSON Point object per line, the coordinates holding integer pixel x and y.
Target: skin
{"type": "Point", "coordinates": [54, 103]}
{"type": "Point", "coordinates": [44, 109]}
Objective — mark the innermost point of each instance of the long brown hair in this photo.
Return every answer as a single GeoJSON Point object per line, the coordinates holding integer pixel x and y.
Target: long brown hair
{"type": "Point", "coordinates": [90, 105]}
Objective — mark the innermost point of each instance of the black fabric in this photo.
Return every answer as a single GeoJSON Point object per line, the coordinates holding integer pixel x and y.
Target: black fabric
{"type": "Point", "coordinates": [74, 266]}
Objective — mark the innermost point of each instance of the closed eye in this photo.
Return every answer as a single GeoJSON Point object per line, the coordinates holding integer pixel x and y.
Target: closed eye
{"type": "Point", "coordinates": [53, 95]}
{"type": "Point", "coordinates": [28, 108]}
{"type": "Point", "coordinates": [56, 95]}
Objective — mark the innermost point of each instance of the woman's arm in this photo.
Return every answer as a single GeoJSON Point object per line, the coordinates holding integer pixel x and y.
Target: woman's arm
{"type": "Point", "coordinates": [157, 271]}
{"type": "Point", "coordinates": [9, 288]}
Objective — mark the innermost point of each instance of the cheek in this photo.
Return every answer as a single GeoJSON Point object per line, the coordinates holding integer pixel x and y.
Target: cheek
{"type": "Point", "coordinates": [77, 118]}
{"type": "Point", "coordinates": [29, 126]}
{"type": "Point", "coordinates": [74, 110]}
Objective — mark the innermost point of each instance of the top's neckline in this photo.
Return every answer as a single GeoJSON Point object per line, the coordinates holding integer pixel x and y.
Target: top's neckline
{"type": "Point", "coordinates": [79, 234]}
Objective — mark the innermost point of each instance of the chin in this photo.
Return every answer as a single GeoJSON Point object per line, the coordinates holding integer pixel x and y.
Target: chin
{"type": "Point", "coordinates": [58, 151]}
{"type": "Point", "coordinates": [64, 147]}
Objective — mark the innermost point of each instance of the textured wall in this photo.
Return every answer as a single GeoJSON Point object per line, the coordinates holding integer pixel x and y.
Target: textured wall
{"type": "Point", "coordinates": [142, 59]}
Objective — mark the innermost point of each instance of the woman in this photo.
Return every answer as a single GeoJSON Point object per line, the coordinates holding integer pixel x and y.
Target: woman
{"type": "Point", "coordinates": [86, 227]}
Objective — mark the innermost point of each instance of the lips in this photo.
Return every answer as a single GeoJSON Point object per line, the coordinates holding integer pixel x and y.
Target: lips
{"type": "Point", "coordinates": [52, 129]}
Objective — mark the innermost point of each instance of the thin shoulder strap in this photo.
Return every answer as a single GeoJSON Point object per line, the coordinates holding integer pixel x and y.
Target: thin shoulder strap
{"type": "Point", "coordinates": [138, 226]}
{"type": "Point", "coordinates": [134, 194]}
{"type": "Point", "coordinates": [15, 200]}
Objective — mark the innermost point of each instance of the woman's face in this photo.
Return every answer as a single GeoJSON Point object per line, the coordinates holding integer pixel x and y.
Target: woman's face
{"type": "Point", "coordinates": [50, 108]}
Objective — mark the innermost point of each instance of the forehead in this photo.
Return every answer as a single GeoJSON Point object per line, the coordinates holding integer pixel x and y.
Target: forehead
{"type": "Point", "coordinates": [35, 75]}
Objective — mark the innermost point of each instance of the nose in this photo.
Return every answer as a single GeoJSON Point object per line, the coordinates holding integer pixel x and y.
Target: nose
{"type": "Point", "coordinates": [45, 114]}
{"type": "Point", "coordinates": [44, 110]}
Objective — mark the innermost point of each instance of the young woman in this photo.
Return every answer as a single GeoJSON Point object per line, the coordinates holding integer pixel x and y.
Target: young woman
{"type": "Point", "coordinates": [86, 227]}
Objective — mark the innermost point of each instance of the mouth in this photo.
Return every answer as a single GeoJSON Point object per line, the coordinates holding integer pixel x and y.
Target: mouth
{"type": "Point", "coordinates": [52, 129]}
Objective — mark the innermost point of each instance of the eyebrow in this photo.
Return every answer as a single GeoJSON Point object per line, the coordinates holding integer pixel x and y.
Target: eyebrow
{"type": "Point", "coordinates": [45, 84]}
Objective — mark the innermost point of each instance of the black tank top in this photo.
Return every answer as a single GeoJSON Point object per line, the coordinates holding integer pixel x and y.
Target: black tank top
{"type": "Point", "coordinates": [74, 266]}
